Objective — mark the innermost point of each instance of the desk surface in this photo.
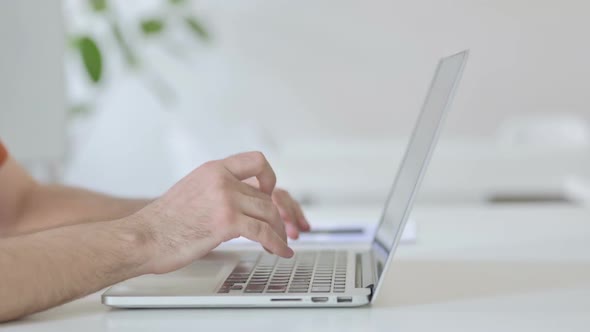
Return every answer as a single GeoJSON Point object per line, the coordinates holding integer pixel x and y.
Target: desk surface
{"type": "Point", "coordinates": [472, 269]}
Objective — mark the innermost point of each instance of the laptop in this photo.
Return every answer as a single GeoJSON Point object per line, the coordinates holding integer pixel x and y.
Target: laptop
{"type": "Point", "coordinates": [334, 276]}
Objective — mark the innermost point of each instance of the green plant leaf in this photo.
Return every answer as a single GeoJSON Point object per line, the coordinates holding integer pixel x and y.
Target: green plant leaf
{"type": "Point", "coordinates": [91, 57]}
{"type": "Point", "coordinates": [98, 5]}
{"type": "Point", "coordinates": [152, 26]}
{"type": "Point", "coordinates": [130, 56]}
{"type": "Point", "coordinates": [196, 27]}
{"type": "Point", "coordinates": [79, 109]}
{"type": "Point", "coordinates": [177, 2]}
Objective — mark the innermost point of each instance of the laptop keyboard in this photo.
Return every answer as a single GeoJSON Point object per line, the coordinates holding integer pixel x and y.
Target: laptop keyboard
{"type": "Point", "coordinates": [315, 272]}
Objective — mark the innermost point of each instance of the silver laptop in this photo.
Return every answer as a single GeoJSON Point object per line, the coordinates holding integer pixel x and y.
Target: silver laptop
{"type": "Point", "coordinates": [312, 278]}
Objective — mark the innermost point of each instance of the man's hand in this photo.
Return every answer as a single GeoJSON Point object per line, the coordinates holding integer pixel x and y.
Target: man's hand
{"type": "Point", "coordinates": [212, 205]}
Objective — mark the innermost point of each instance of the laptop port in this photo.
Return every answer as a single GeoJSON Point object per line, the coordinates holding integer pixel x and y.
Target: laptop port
{"type": "Point", "coordinates": [344, 299]}
{"type": "Point", "coordinates": [319, 299]}
{"type": "Point", "coordinates": [283, 299]}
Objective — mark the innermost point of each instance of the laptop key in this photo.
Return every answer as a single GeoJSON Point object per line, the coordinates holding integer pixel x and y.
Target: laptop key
{"type": "Point", "coordinates": [297, 290]}
{"type": "Point", "coordinates": [253, 291]}
{"type": "Point", "coordinates": [320, 289]}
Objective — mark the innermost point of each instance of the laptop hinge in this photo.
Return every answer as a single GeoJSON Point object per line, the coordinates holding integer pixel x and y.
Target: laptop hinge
{"type": "Point", "coordinates": [371, 287]}
{"type": "Point", "coordinates": [364, 271]}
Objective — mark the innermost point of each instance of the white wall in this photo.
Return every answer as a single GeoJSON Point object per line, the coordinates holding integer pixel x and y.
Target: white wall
{"type": "Point", "coordinates": [362, 67]}
{"type": "Point", "coordinates": [32, 100]}
{"type": "Point", "coordinates": [340, 70]}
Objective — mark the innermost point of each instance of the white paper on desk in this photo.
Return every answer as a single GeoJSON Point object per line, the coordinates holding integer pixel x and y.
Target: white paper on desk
{"type": "Point", "coordinates": [408, 236]}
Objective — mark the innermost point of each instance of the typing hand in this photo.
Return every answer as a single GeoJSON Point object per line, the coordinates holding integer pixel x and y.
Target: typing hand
{"type": "Point", "coordinates": [212, 205]}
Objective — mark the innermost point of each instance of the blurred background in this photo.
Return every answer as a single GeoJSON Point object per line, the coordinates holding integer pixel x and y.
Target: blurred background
{"type": "Point", "coordinates": [126, 97]}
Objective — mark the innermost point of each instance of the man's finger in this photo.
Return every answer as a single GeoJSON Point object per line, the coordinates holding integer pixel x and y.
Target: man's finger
{"type": "Point", "coordinates": [248, 189]}
{"type": "Point", "coordinates": [301, 219]}
{"type": "Point", "coordinates": [265, 210]}
{"type": "Point", "coordinates": [296, 214]}
{"type": "Point", "coordinates": [262, 233]}
{"type": "Point", "coordinates": [292, 231]}
{"type": "Point", "coordinates": [284, 202]}
{"type": "Point", "coordinates": [291, 226]}
{"type": "Point", "coordinates": [286, 209]}
{"type": "Point", "coordinates": [291, 211]}
{"type": "Point", "coordinates": [249, 164]}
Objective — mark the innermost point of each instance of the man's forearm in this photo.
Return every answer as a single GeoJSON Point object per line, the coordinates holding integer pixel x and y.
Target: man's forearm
{"type": "Point", "coordinates": [49, 268]}
{"type": "Point", "coordinates": [48, 206]}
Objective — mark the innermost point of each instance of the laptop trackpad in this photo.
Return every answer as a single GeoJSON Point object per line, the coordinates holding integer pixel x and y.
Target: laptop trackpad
{"type": "Point", "coordinates": [201, 277]}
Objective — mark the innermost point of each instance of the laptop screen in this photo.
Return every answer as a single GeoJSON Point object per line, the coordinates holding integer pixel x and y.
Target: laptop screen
{"type": "Point", "coordinates": [418, 151]}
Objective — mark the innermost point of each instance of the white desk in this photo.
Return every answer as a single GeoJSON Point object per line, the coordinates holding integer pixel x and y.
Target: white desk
{"type": "Point", "coordinates": [473, 269]}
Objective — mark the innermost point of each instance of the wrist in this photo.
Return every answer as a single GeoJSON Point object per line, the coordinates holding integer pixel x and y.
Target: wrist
{"type": "Point", "coordinates": [134, 232]}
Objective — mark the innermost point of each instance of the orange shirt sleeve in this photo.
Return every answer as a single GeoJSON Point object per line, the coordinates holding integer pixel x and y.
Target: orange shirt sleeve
{"type": "Point", "coordinates": [3, 154]}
